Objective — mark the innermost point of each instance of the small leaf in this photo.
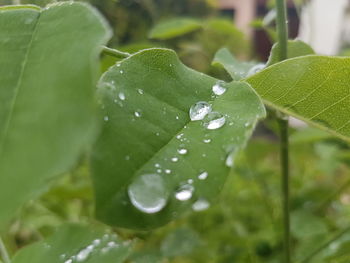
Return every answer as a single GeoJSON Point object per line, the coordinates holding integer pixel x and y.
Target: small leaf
{"type": "Point", "coordinates": [151, 162]}
{"type": "Point", "coordinates": [296, 48]}
{"type": "Point", "coordinates": [75, 243]}
{"type": "Point", "coordinates": [48, 68]}
{"type": "Point", "coordinates": [314, 89]}
{"type": "Point", "coordinates": [237, 69]}
{"type": "Point", "coordinates": [174, 28]}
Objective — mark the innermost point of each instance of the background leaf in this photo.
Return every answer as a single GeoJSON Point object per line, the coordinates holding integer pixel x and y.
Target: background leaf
{"type": "Point", "coordinates": [314, 89]}
{"type": "Point", "coordinates": [75, 243]}
{"type": "Point", "coordinates": [148, 133]}
{"type": "Point", "coordinates": [174, 28]}
{"type": "Point", "coordinates": [47, 109]}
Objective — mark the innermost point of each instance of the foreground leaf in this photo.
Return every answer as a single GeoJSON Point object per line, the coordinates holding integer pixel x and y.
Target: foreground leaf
{"type": "Point", "coordinates": [149, 150]}
{"type": "Point", "coordinates": [74, 243]}
{"type": "Point", "coordinates": [314, 89]}
{"type": "Point", "coordinates": [174, 28]}
{"type": "Point", "coordinates": [48, 68]}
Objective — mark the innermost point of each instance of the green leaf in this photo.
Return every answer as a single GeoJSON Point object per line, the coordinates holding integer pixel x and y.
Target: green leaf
{"type": "Point", "coordinates": [48, 69]}
{"type": "Point", "coordinates": [296, 48]}
{"type": "Point", "coordinates": [237, 69]}
{"type": "Point", "coordinates": [146, 101]}
{"type": "Point", "coordinates": [174, 27]}
{"type": "Point", "coordinates": [75, 243]}
{"type": "Point", "coordinates": [314, 89]}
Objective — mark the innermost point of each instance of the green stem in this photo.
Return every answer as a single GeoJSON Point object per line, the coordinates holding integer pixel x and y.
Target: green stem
{"type": "Point", "coordinates": [282, 36]}
{"type": "Point", "coordinates": [3, 252]}
{"type": "Point", "coordinates": [115, 53]}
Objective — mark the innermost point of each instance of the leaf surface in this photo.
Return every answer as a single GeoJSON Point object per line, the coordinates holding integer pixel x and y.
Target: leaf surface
{"type": "Point", "coordinates": [75, 243]}
{"type": "Point", "coordinates": [48, 68]}
{"type": "Point", "coordinates": [315, 89]}
{"type": "Point", "coordinates": [148, 142]}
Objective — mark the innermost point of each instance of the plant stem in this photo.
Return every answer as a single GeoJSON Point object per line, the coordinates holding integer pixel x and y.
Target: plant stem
{"type": "Point", "coordinates": [115, 53]}
{"type": "Point", "coordinates": [282, 36]}
{"type": "Point", "coordinates": [3, 252]}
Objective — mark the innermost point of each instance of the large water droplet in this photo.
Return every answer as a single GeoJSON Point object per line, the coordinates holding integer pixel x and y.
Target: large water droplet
{"type": "Point", "coordinates": [199, 110]}
{"type": "Point", "coordinates": [182, 151]}
{"type": "Point", "coordinates": [218, 88]}
{"type": "Point", "coordinates": [200, 205]}
{"type": "Point", "coordinates": [121, 96]}
{"type": "Point", "coordinates": [214, 120]}
{"type": "Point", "coordinates": [184, 193]}
{"type": "Point", "coordinates": [148, 193]}
{"type": "Point", "coordinates": [203, 176]}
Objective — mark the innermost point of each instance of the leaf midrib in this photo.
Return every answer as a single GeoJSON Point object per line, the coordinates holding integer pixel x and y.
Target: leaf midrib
{"type": "Point", "coordinates": [18, 86]}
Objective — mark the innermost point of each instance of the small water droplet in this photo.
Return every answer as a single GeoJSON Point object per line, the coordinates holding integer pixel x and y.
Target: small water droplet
{"type": "Point", "coordinates": [118, 64]}
{"type": "Point", "coordinates": [121, 96]}
{"type": "Point", "coordinates": [230, 158]}
{"type": "Point", "coordinates": [256, 69]}
{"type": "Point", "coordinates": [121, 71]}
{"type": "Point", "coordinates": [214, 120]}
{"type": "Point", "coordinates": [184, 193]}
{"type": "Point", "coordinates": [182, 151]}
{"type": "Point", "coordinates": [203, 176]}
{"type": "Point", "coordinates": [174, 159]}
{"type": "Point", "coordinates": [199, 110]}
{"type": "Point", "coordinates": [148, 193]}
{"type": "Point", "coordinates": [159, 171]}
{"type": "Point", "coordinates": [137, 114]}
{"type": "Point", "coordinates": [140, 91]}
{"type": "Point", "coordinates": [218, 88]}
{"type": "Point", "coordinates": [207, 140]}
{"type": "Point", "coordinates": [177, 117]}
{"type": "Point", "coordinates": [157, 133]}
{"type": "Point", "coordinates": [157, 165]}
{"type": "Point", "coordinates": [106, 118]}
{"type": "Point", "coordinates": [167, 171]}
{"type": "Point", "coordinates": [127, 157]}
{"type": "Point", "coordinates": [179, 136]}
{"type": "Point", "coordinates": [190, 181]}
{"type": "Point", "coordinates": [200, 205]}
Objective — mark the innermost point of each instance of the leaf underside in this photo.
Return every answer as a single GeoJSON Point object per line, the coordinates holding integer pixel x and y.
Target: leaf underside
{"type": "Point", "coordinates": [47, 79]}
{"type": "Point", "coordinates": [145, 102]}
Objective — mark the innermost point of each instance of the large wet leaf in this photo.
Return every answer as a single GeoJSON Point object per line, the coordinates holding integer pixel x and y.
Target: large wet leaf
{"type": "Point", "coordinates": [74, 243]}
{"type": "Point", "coordinates": [150, 155]}
{"type": "Point", "coordinates": [48, 68]}
{"type": "Point", "coordinates": [314, 89]}
{"type": "Point", "coordinates": [174, 28]}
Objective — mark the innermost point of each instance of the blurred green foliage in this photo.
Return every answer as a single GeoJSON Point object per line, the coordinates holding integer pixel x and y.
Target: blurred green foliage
{"type": "Point", "coordinates": [244, 225]}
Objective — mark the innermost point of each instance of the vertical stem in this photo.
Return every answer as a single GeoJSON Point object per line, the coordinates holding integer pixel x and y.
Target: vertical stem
{"type": "Point", "coordinates": [282, 35]}
{"type": "Point", "coordinates": [3, 252]}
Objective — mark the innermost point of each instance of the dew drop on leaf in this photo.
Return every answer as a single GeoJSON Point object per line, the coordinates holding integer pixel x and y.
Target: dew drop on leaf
{"type": "Point", "coordinates": [214, 120]}
{"type": "Point", "coordinates": [140, 91]}
{"type": "Point", "coordinates": [203, 176]}
{"type": "Point", "coordinates": [256, 69]}
{"type": "Point", "coordinates": [137, 114]}
{"type": "Point", "coordinates": [174, 159]}
{"type": "Point", "coordinates": [148, 193]}
{"type": "Point", "coordinates": [121, 96]}
{"type": "Point", "coordinates": [218, 89]}
{"type": "Point", "coordinates": [182, 151]}
{"type": "Point", "coordinates": [207, 140]}
{"type": "Point", "coordinates": [105, 118]}
{"type": "Point", "coordinates": [199, 110]}
{"type": "Point", "coordinates": [200, 205]}
{"type": "Point", "coordinates": [184, 193]}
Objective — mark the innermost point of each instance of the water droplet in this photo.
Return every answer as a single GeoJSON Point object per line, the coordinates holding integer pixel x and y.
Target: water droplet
{"type": "Point", "coordinates": [69, 261]}
{"type": "Point", "coordinates": [118, 65]}
{"type": "Point", "coordinates": [157, 165]}
{"type": "Point", "coordinates": [174, 159]}
{"type": "Point", "coordinates": [214, 120]}
{"type": "Point", "coordinates": [140, 91]}
{"type": "Point", "coordinates": [199, 110]}
{"type": "Point", "coordinates": [96, 242]}
{"type": "Point", "coordinates": [159, 171]}
{"type": "Point", "coordinates": [230, 158]}
{"type": "Point", "coordinates": [84, 253]}
{"type": "Point", "coordinates": [157, 133]}
{"type": "Point", "coordinates": [137, 114]}
{"type": "Point", "coordinates": [121, 96]}
{"type": "Point", "coordinates": [177, 117]}
{"type": "Point", "coordinates": [148, 193]}
{"type": "Point", "coordinates": [203, 176]}
{"type": "Point", "coordinates": [121, 71]}
{"type": "Point", "coordinates": [179, 136]}
{"type": "Point", "coordinates": [184, 193]}
{"type": "Point", "coordinates": [127, 157]}
{"type": "Point", "coordinates": [200, 205]}
{"type": "Point", "coordinates": [207, 140]}
{"type": "Point", "coordinates": [255, 69]}
{"type": "Point", "coordinates": [182, 151]}
{"type": "Point", "coordinates": [105, 118]}
{"type": "Point", "coordinates": [218, 89]}
{"type": "Point", "coordinates": [167, 171]}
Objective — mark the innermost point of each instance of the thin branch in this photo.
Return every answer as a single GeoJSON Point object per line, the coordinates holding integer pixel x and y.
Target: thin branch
{"type": "Point", "coordinates": [115, 53]}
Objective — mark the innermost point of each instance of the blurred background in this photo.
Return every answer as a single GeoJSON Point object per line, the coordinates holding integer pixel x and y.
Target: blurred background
{"type": "Point", "coordinates": [245, 223]}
